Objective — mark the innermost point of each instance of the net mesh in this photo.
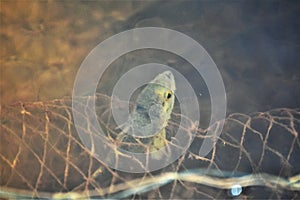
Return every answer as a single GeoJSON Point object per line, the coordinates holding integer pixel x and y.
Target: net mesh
{"type": "Point", "coordinates": [42, 156]}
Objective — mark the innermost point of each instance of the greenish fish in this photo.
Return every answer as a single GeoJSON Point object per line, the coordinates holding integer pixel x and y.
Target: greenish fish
{"type": "Point", "coordinates": [145, 129]}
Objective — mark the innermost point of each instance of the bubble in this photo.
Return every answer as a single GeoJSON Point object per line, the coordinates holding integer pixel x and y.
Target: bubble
{"type": "Point", "coordinates": [236, 190]}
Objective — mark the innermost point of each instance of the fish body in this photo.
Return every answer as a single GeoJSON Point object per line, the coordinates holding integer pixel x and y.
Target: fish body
{"type": "Point", "coordinates": [150, 115]}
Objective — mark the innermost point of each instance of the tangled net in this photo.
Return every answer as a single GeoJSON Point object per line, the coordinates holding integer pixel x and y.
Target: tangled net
{"type": "Point", "coordinates": [41, 156]}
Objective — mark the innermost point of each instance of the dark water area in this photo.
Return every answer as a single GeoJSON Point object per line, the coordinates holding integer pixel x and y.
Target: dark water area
{"type": "Point", "coordinates": [255, 45]}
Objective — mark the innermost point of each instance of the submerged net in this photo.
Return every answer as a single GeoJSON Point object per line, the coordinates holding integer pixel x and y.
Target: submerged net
{"type": "Point", "coordinates": [41, 156]}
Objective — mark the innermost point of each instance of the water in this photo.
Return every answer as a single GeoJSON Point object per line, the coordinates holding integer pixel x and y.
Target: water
{"type": "Point", "coordinates": [44, 43]}
{"type": "Point", "coordinates": [255, 45]}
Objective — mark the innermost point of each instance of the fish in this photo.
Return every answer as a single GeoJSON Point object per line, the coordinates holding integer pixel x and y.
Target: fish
{"type": "Point", "coordinates": [145, 130]}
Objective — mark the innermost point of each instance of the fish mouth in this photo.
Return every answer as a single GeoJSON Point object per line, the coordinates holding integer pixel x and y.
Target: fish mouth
{"type": "Point", "coordinates": [168, 74]}
{"type": "Point", "coordinates": [165, 79]}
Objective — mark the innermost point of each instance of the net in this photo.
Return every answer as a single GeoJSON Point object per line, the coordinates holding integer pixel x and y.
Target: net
{"type": "Point", "coordinates": [42, 156]}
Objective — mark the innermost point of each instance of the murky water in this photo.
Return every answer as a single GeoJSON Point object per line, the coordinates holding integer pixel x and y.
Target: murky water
{"type": "Point", "coordinates": [255, 45]}
{"type": "Point", "coordinates": [44, 43]}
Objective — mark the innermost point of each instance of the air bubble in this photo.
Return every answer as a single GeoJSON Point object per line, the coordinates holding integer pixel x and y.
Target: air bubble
{"type": "Point", "coordinates": [236, 190]}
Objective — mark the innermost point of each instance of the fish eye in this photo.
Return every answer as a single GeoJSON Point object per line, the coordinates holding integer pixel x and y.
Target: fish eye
{"type": "Point", "coordinates": [169, 95]}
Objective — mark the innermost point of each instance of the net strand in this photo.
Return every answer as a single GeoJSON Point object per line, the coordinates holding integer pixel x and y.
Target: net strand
{"type": "Point", "coordinates": [41, 156]}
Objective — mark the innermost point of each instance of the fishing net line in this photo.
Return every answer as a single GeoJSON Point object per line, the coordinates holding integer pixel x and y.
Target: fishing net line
{"type": "Point", "coordinates": [42, 156]}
